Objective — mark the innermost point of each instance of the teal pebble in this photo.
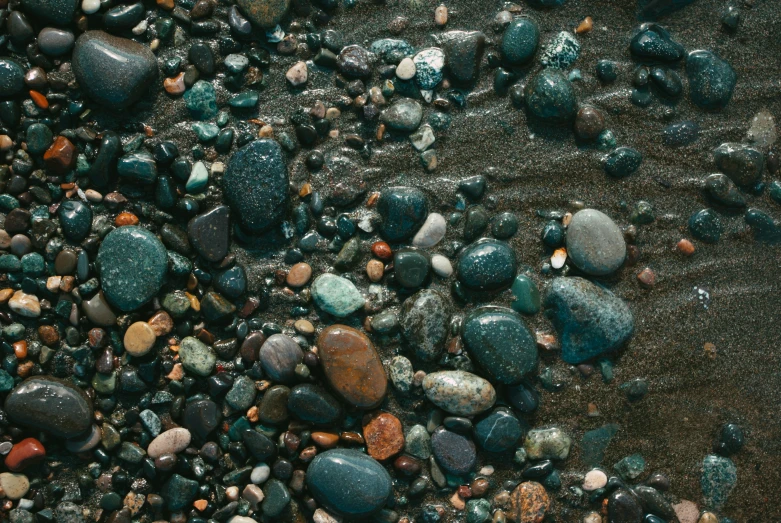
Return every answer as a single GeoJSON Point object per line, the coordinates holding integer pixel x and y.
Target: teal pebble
{"type": "Point", "coordinates": [719, 476]}
{"type": "Point", "coordinates": [526, 294]}
{"type": "Point", "coordinates": [520, 41]}
{"type": "Point", "coordinates": [705, 225]}
{"type": "Point", "coordinates": [630, 467]}
{"type": "Point", "coordinates": [244, 100]}
{"type": "Point", "coordinates": [205, 131]}
{"type": "Point", "coordinates": [549, 95]}
{"type": "Point", "coordinates": [39, 138]}
{"type": "Point", "coordinates": [33, 264]}
{"type": "Point", "coordinates": [201, 100]}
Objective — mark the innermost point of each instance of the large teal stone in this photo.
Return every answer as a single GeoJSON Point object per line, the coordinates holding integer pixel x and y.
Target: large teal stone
{"type": "Point", "coordinates": [133, 264]}
{"type": "Point", "coordinates": [59, 12]}
{"type": "Point", "coordinates": [348, 482]}
{"type": "Point", "coordinates": [711, 80]}
{"type": "Point", "coordinates": [179, 492]}
{"type": "Point", "coordinates": [113, 71]}
{"type": "Point", "coordinates": [487, 265]}
{"type": "Point", "coordinates": [403, 211]}
{"type": "Point", "coordinates": [520, 41]}
{"type": "Point", "coordinates": [499, 341]}
{"type": "Point", "coordinates": [255, 185]}
{"type": "Point", "coordinates": [11, 78]}
{"type": "Point", "coordinates": [719, 476]}
{"type": "Point", "coordinates": [590, 319]}
{"type": "Point", "coordinates": [550, 96]}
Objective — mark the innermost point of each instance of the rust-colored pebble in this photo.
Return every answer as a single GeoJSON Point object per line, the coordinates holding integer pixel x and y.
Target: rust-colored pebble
{"type": "Point", "coordinates": [382, 250]}
{"type": "Point", "coordinates": [383, 434]}
{"type": "Point", "coordinates": [126, 218]}
{"type": "Point", "coordinates": [299, 274]}
{"type": "Point", "coordinates": [685, 247]}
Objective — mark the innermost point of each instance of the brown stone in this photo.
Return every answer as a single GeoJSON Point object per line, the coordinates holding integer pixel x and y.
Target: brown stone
{"type": "Point", "coordinates": [27, 452]}
{"type": "Point", "coordinates": [383, 434]}
{"type": "Point", "coordinates": [589, 123]}
{"type": "Point", "coordinates": [48, 335]}
{"type": "Point", "coordinates": [20, 349]}
{"type": "Point", "coordinates": [61, 156]}
{"type": "Point", "coordinates": [299, 274]}
{"type": "Point", "coordinates": [646, 277]}
{"type": "Point", "coordinates": [352, 366]}
{"type": "Point", "coordinates": [407, 465]}
{"type": "Point", "coordinates": [5, 295]}
{"type": "Point", "coordinates": [250, 347]}
{"type": "Point", "coordinates": [528, 503]}
{"type": "Point", "coordinates": [351, 438]}
{"type": "Point", "coordinates": [325, 440]}
{"type": "Point", "coordinates": [139, 338]}
{"type": "Point", "coordinates": [375, 270]}
{"type": "Point", "coordinates": [685, 247]}
{"type": "Point", "coordinates": [382, 250]}
{"type": "Point", "coordinates": [161, 323]}
{"type": "Point", "coordinates": [125, 218]}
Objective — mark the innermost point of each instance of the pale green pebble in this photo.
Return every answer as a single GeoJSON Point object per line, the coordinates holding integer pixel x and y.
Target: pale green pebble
{"type": "Point", "coordinates": [6, 381]}
{"type": "Point", "coordinates": [630, 467]}
{"type": "Point", "coordinates": [14, 332]}
{"type": "Point", "coordinates": [82, 165]}
{"type": "Point", "coordinates": [197, 357]}
{"type": "Point", "coordinates": [520, 456]}
{"type": "Point", "coordinates": [478, 511]}
{"type": "Point", "coordinates": [575, 75]}
{"type": "Point", "coordinates": [401, 373]}
{"type": "Point", "coordinates": [222, 118]}
{"type": "Point", "coordinates": [104, 383]}
{"type": "Point", "coordinates": [199, 178]}
{"type": "Point", "coordinates": [336, 295]}
{"type": "Point", "coordinates": [205, 131]}
{"type": "Point", "coordinates": [418, 442]}
{"type": "Point", "coordinates": [548, 443]}
{"type": "Point", "coordinates": [606, 141]}
{"type": "Point", "coordinates": [176, 304]}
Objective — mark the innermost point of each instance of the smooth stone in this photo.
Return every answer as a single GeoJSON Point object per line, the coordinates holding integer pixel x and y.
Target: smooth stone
{"type": "Point", "coordinates": [499, 431]}
{"type": "Point", "coordinates": [589, 319]}
{"type": "Point", "coordinates": [724, 191]}
{"type": "Point", "coordinates": [209, 233]}
{"type": "Point", "coordinates": [336, 295]}
{"type": "Point", "coordinates": [172, 441]}
{"type": "Point", "coordinates": [431, 232]}
{"type": "Point", "coordinates": [139, 339]}
{"type": "Point", "coordinates": [272, 408]}
{"type": "Point", "coordinates": [719, 476]}
{"type": "Point", "coordinates": [520, 41]}
{"type": "Point", "coordinates": [441, 266]}
{"type": "Point", "coordinates": [403, 211]}
{"type": "Point", "coordinates": [202, 417]}
{"type": "Point", "coordinates": [14, 486]}
{"type": "Point", "coordinates": [594, 443]}
{"type": "Point", "coordinates": [401, 373]}
{"type": "Point", "coordinates": [353, 61]}
{"type": "Point", "coordinates": [265, 13]}
{"type": "Point", "coordinates": [501, 344]}
{"type": "Point", "coordinates": [123, 16]}
{"type": "Point", "coordinates": [653, 42]}
{"type": "Point", "coordinates": [594, 479]}
{"type": "Point", "coordinates": [352, 366]}
{"type": "Point", "coordinates": [255, 185]}
{"type": "Point", "coordinates": [139, 167]}
{"type": "Point", "coordinates": [424, 323]}
{"type": "Point", "coordinates": [526, 295]}
{"type": "Point", "coordinates": [26, 305]}
{"type": "Point", "coordinates": [75, 219]}
{"type": "Point", "coordinates": [50, 404]}
{"type": "Point", "coordinates": [463, 54]}
{"type": "Point", "coordinates": [595, 244]}
{"type": "Point", "coordinates": [133, 265]}
{"type": "Point", "coordinates": [630, 467]}
{"type": "Point", "coordinates": [547, 443]}
{"type": "Point", "coordinates": [348, 482]}
{"type": "Point", "coordinates": [55, 42]}
{"type": "Point", "coordinates": [279, 356]}
{"type": "Point", "coordinates": [404, 116]}
{"type": "Point", "coordinates": [12, 78]}
{"type": "Point", "coordinates": [623, 507]}
{"type": "Point", "coordinates": [705, 225]}
{"type": "Point", "coordinates": [681, 134]}
{"type": "Point", "coordinates": [731, 440]}
{"type": "Point", "coordinates": [417, 442]}
{"type": "Point", "coordinates": [622, 162]}
{"type": "Point", "coordinates": [197, 357]}
{"type": "Point", "coordinates": [711, 80]}
{"type": "Point", "coordinates": [549, 96]}
{"type": "Point", "coordinates": [654, 502]}
{"type": "Point", "coordinates": [201, 101]}
{"type": "Point", "coordinates": [459, 392]}
{"type": "Point", "coordinates": [232, 283]}
{"type": "Point", "coordinates": [241, 396]}
{"type": "Point", "coordinates": [39, 137]}
{"type": "Point", "coordinates": [113, 71]}
{"type": "Point", "coordinates": [98, 311]}
{"type": "Point", "coordinates": [454, 452]}
{"type": "Point", "coordinates": [85, 443]}
{"type": "Point", "coordinates": [58, 12]}
{"type": "Point", "coordinates": [199, 176]}
{"type": "Point", "coordinates": [277, 498]}
{"type": "Point", "coordinates": [313, 404]}
{"type": "Point", "coordinates": [179, 492]}
{"type": "Point", "coordinates": [743, 164]}
{"type": "Point", "coordinates": [411, 268]}
{"type": "Point", "coordinates": [475, 222]}
{"type": "Point", "coordinates": [487, 265]}
{"type": "Point", "coordinates": [504, 226]}
{"type": "Point", "coordinates": [529, 503]}
{"type": "Point", "coordinates": [25, 454]}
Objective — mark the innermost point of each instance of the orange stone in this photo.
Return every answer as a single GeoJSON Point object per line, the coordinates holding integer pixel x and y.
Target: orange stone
{"type": "Point", "coordinates": [161, 323]}
{"type": "Point", "coordinates": [528, 503]}
{"type": "Point", "coordinates": [685, 247]}
{"type": "Point", "coordinates": [352, 366]}
{"type": "Point", "coordinates": [61, 156]}
{"type": "Point", "coordinates": [39, 99]}
{"type": "Point", "coordinates": [48, 335]}
{"type": "Point", "coordinates": [299, 274]}
{"type": "Point", "coordinates": [20, 349]}
{"type": "Point", "coordinates": [175, 84]}
{"type": "Point", "coordinates": [27, 452]}
{"type": "Point", "coordinates": [382, 250]}
{"type": "Point", "coordinates": [325, 440]}
{"type": "Point", "coordinates": [126, 218]}
{"type": "Point", "coordinates": [383, 434]}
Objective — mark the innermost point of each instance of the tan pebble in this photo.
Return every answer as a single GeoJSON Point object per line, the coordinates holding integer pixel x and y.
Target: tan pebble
{"type": "Point", "coordinates": [139, 338]}
{"type": "Point", "coordinates": [232, 493]}
{"type": "Point", "coordinates": [200, 504]}
{"type": "Point", "coordinates": [304, 327]}
{"type": "Point", "coordinates": [5, 142]}
{"type": "Point", "coordinates": [528, 503]}
{"type": "Point", "coordinates": [440, 16]}
{"type": "Point", "coordinates": [566, 219]}
{"type": "Point", "coordinates": [321, 516]}
{"type": "Point", "coordinates": [708, 517]}
{"type": "Point", "coordinates": [194, 302]}
{"type": "Point", "coordinates": [332, 113]}
{"type": "Point", "coordinates": [26, 305]}
{"type": "Point", "coordinates": [375, 269]}
{"type": "Point", "coordinates": [253, 494]}
{"type": "Point", "coordinates": [299, 274]}
{"type": "Point", "coordinates": [53, 283]}
{"type": "Point", "coordinates": [646, 277]}
{"type": "Point", "coordinates": [134, 501]}
{"type": "Point", "coordinates": [5, 295]}
{"type": "Point", "coordinates": [298, 74]}
{"type": "Point", "coordinates": [174, 85]}
{"type": "Point", "coordinates": [176, 373]}
{"type": "Point", "coordinates": [559, 258]}
{"type": "Point", "coordinates": [585, 26]}
{"type": "Point", "coordinates": [161, 323]}
{"type": "Point", "coordinates": [67, 284]}
{"type": "Point", "coordinates": [266, 131]}
{"type": "Point", "coordinates": [15, 486]}
{"type": "Point", "coordinates": [686, 511]}
{"type": "Point", "coordinates": [93, 196]}
{"type": "Point", "coordinates": [457, 502]}
{"type": "Point", "coordinates": [592, 517]}
{"type": "Point", "coordinates": [252, 414]}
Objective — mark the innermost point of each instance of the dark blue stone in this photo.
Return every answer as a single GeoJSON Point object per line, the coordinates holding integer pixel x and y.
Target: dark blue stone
{"type": "Point", "coordinates": [520, 41]}
{"type": "Point", "coordinates": [454, 452]}
{"type": "Point", "coordinates": [403, 210]}
{"type": "Point", "coordinates": [550, 96]}
{"type": "Point", "coordinates": [499, 431]}
{"type": "Point", "coordinates": [411, 268]}
{"type": "Point", "coordinates": [681, 133]}
{"type": "Point", "coordinates": [209, 233]}
{"type": "Point", "coordinates": [59, 12]}
{"type": "Point", "coordinates": [607, 71]}
{"type": "Point", "coordinates": [623, 161]}
{"type": "Point", "coordinates": [232, 283]}
{"type": "Point", "coordinates": [314, 404]}
{"type": "Point", "coordinates": [179, 492]}
{"type": "Point", "coordinates": [75, 219]}
{"type": "Point", "coordinates": [711, 80]}
{"type": "Point", "coordinates": [705, 225]}
{"type": "Point", "coordinates": [743, 163]}
{"type": "Point", "coordinates": [348, 482]}
{"type": "Point", "coordinates": [50, 404]}
{"type": "Point", "coordinates": [123, 16]}
{"type": "Point", "coordinates": [487, 265]}
{"type": "Point", "coordinates": [140, 167]}
{"type": "Point", "coordinates": [653, 42]}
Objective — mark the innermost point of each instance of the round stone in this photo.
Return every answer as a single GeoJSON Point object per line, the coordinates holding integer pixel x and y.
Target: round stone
{"type": "Point", "coordinates": [139, 338]}
{"type": "Point", "coordinates": [424, 323]}
{"type": "Point", "coordinates": [404, 115]}
{"type": "Point", "coordinates": [384, 435]}
{"type": "Point", "coordinates": [279, 356]}
{"type": "Point", "coordinates": [14, 486]}
{"type": "Point", "coordinates": [55, 42]}
{"type": "Point", "coordinates": [549, 96]}
{"type": "Point", "coordinates": [520, 41]}
{"type": "Point", "coordinates": [454, 452]}
{"type": "Point", "coordinates": [133, 264]}
{"type": "Point", "coordinates": [711, 79]}
{"type": "Point", "coordinates": [411, 268]}
{"type": "Point", "coordinates": [459, 392]}
{"type": "Point", "coordinates": [299, 274]}
{"type": "Point", "coordinates": [595, 244]}
{"type": "Point", "coordinates": [24, 454]}
{"type": "Point", "coordinates": [499, 431]}
{"type": "Point", "coordinates": [75, 219]}
{"type": "Point", "coordinates": [622, 162]}
{"type": "Point", "coordinates": [50, 404]}
{"type": "Point", "coordinates": [11, 78]}
{"type": "Point", "coordinates": [595, 479]}
{"type": "Point", "coordinates": [265, 13]}
{"type": "Point", "coordinates": [589, 123]}
{"type": "Point", "coordinates": [487, 265]}
{"type": "Point", "coordinates": [197, 357]}
{"type": "Point", "coordinates": [406, 69]}
{"type": "Point", "coordinates": [336, 295]}
{"type": "Point", "coordinates": [528, 503]}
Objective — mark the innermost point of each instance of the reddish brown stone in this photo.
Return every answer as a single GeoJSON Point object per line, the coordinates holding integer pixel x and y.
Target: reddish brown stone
{"type": "Point", "coordinates": [61, 156]}
{"type": "Point", "coordinates": [646, 277]}
{"type": "Point", "coordinates": [250, 347]}
{"type": "Point", "coordinates": [383, 434]}
{"type": "Point", "coordinates": [125, 218]}
{"type": "Point", "coordinates": [27, 452]}
{"type": "Point", "coordinates": [20, 349]}
{"type": "Point", "coordinates": [407, 465]}
{"type": "Point", "coordinates": [325, 440]}
{"type": "Point", "coordinates": [161, 323]}
{"type": "Point", "coordinates": [48, 335]}
{"type": "Point", "coordinates": [352, 366]}
{"type": "Point", "coordinates": [382, 250]}
{"type": "Point", "coordinates": [685, 247]}
{"type": "Point", "coordinates": [351, 438]}
{"type": "Point", "coordinates": [528, 503]}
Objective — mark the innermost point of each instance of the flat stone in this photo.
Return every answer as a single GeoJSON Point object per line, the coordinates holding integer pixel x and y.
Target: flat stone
{"type": "Point", "coordinates": [526, 294]}
{"type": "Point", "coordinates": [547, 443]}
{"type": "Point", "coordinates": [113, 71]}
{"type": "Point", "coordinates": [26, 305]}
{"type": "Point", "coordinates": [711, 80]}
{"type": "Point", "coordinates": [50, 404]}
{"type": "Point", "coordinates": [133, 265]}
{"type": "Point", "coordinates": [384, 435]}
{"type": "Point", "coordinates": [14, 486]}
{"type": "Point", "coordinates": [98, 311]}
{"type": "Point", "coordinates": [352, 366]}
{"type": "Point", "coordinates": [255, 185]}
{"type": "Point", "coordinates": [589, 319]}
{"type": "Point", "coordinates": [529, 503]}
{"type": "Point", "coordinates": [265, 13]}
{"type": "Point", "coordinates": [202, 417]}
{"type": "Point", "coordinates": [499, 341]}
{"type": "Point", "coordinates": [279, 356]}
{"type": "Point", "coordinates": [459, 392]}
{"type": "Point", "coordinates": [336, 295]}
{"type": "Point", "coordinates": [197, 357]}
{"type": "Point", "coordinates": [404, 116]}
{"type": "Point", "coordinates": [499, 431]}
{"type": "Point", "coordinates": [463, 54]}
{"type": "Point", "coordinates": [172, 441]}
{"type": "Point", "coordinates": [24, 454]}
{"type": "Point", "coordinates": [487, 265]}
{"type": "Point", "coordinates": [424, 323]}
{"type": "Point", "coordinates": [595, 244]}
{"type": "Point", "coordinates": [431, 232]}
{"type": "Point", "coordinates": [348, 482]}
{"type": "Point", "coordinates": [241, 396]}
{"type": "Point", "coordinates": [454, 452]}
{"type": "Point", "coordinates": [411, 268]}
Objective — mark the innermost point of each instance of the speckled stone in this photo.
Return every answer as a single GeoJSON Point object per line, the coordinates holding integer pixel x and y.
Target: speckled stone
{"type": "Point", "coordinates": [133, 264]}
{"type": "Point", "coordinates": [197, 357]}
{"type": "Point", "coordinates": [113, 71]}
{"type": "Point", "coordinates": [550, 96]}
{"type": "Point", "coordinates": [520, 41]}
{"type": "Point", "coordinates": [547, 443]}
{"type": "Point", "coordinates": [403, 211]}
{"type": "Point", "coordinates": [487, 265]}
{"type": "Point", "coordinates": [12, 78]}
{"type": "Point", "coordinates": [719, 476]}
{"type": "Point", "coordinates": [499, 431]}
{"type": "Point", "coordinates": [50, 404]}
{"type": "Point", "coordinates": [403, 115]}
{"type": "Point", "coordinates": [653, 42]}
{"type": "Point", "coordinates": [424, 323]}
{"type": "Point", "coordinates": [711, 80]}
{"type": "Point", "coordinates": [742, 163]}
{"type": "Point", "coordinates": [58, 12]}
{"type": "Point", "coordinates": [459, 392]}
{"type": "Point", "coordinates": [595, 243]}
{"type": "Point", "coordinates": [336, 295]}
{"type": "Point", "coordinates": [265, 13]}
{"type": "Point", "coordinates": [529, 503]}
{"type": "Point", "coordinates": [454, 452]}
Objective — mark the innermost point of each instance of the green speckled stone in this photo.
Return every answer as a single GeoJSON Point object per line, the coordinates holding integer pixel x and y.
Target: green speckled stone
{"type": "Point", "coordinates": [336, 295]}
{"type": "Point", "coordinates": [526, 294]}
{"type": "Point", "coordinates": [520, 41]}
{"type": "Point", "coordinates": [197, 357]}
{"type": "Point", "coordinates": [705, 225]}
{"type": "Point", "coordinates": [550, 96]}
{"type": "Point", "coordinates": [719, 476]}
{"type": "Point", "coordinates": [201, 100]}
{"type": "Point", "coordinates": [179, 492]}
{"type": "Point", "coordinates": [133, 264]}
{"type": "Point", "coordinates": [711, 80]}
{"type": "Point", "coordinates": [487, 265]}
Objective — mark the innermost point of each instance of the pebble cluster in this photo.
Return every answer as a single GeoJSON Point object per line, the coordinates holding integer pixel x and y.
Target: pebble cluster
{"type": "Point", "coordinates": [148, 374]}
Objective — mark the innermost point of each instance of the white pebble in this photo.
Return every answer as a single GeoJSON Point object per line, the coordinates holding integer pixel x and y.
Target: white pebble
{"type": "Point", "coordinates": [26, 504]}
{"type": "Point", "coordinates": [595, 479]}
{"type": "Point", "coordinates": [5, 447]}
{"type": "Point", "coordinates": [406, 69]}
{"type": "Point", "coordinates": [232, 493]}
{"type": "Point", "coordinates": [253, 495]}
{"type": "Point", "coordinates": [93, 196]}
{"type": "Point", "coordinates": [592, 517]}
{"type": "Point", "coordinates": [169, 442]}
{"type": "Point", "coordinates": [441, 266]}
{"type": "Point", "coordinates": [432, 231]}
{"type": "Point", "coordinates": [140, 28]}
{"type": "Point", "coordinates": [321, 516]}
{"type": "Point", "coordinates": [440, 15]}
{"type": "Point", "coordinates": [218, 168]}
{"type": "Point", "coordinates": [298, 74]}
{"type": "Point", "coordinates": [90, 6]}
{"type": "Point", "coordinates": [487, 470]}
{"type": "Point", "coordinates": [558, 258]}
{"type": "Point", "coordinates": [260, 474]}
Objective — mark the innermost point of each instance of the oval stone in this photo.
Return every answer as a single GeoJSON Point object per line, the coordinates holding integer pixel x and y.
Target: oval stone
{"type": "Point", "coordinates": [133, 264]}
{"type": "Point", "coordinates": [113, 71]}
{"type": "Point", "coordinates": [550, 96]}
{"type": "Point", "coordinates": [711, 80]}
{"type": "Point", "coordinates": [595, 243]}
{"type": "Point", "coordinates": [352, 366]}
{"type": "Point", "coordinates": [336, 295]}
{"type": "Point", "coordinates": [313, 404]}
{"type": "Point", "coordinates": [279, 356]}
{"type": "Point", "coordinates": [454, 452]}
{"type": "Point", "coordinates": [424, 323]}
{"type": "Point", "coordinates": [171, 441]}
{"type": "Point", "coordinates": [623, 506]}
{"type": "Point", "coordinates": [265, 13]}
{"type": "Point", "coordinates": [528, 503]}
{"type": "Point", "coordinates": [403, 211]}
{"type": "Point", "coordinates": [11, 78]}
{"type": "Point", "coordinates": [348, 482]}
{"type": "Point", "coordinates": [50, 404]}
{"type": "Point", "coordinates": [499, 431]}
{"type": "Point", "coordinates": [520, 41]}
{"type": "Point", "coordinates": [499, 341]}
{"type": "Point", "coordinates": [487, 265]}
{"type": "Point", "coordinates": [459, 392]}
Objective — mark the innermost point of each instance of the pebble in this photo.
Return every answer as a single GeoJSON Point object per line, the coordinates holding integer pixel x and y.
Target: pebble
{"type": "Point", "coordinates": [133, 265]}
{"type": "Point", "coordinates": [406, 69]}
{"type": "Point", "coordinates": [209, 233]}
{"type": "Point", "coordinates": [297, 74]}
{"type": "Point", "coordinates": [487, 265]}
{"type": "Point", "coordinates": [15, 486]}
{"type": "Point", "coordinates": [255, 185]}
{"type": "Point", "coordinates": [26, 305]}
{"type": "Point", "coordinates": [172, 441]}
{"type": "Point", "coordinates": [595, 244]}
{"type": "Point", "coordinates": [264, 13]}
{"type": "Point", "coordinates": [352, 366]}
{"type": "Point", "coordinates": [711, 80]}
{"type": "Point", "coordinates": [411, 268]}
{"type": "Point", "coordinates": [24, 454]}
{"type": "Point", "coordinates": [348, 482]}
{"type": "Point", "coordinates": [429, 64]}
{"type": "Point", "coordinates": [459, 392]}
{"type": "Point", "coordinates": [404, 116]}
{"type": "Point", "coordinates": [424, 323]}
{"type": "Point", "coordinates": [520, 41]}
{"type": "Point", "coordinates": [313, 404]}
{"type": "Point", "coordinates": [653, 42]}
{"type": "Point", "coordinates": [401, 373]}
{"type": "Point", "coordinates": [526, 295]}
{"type": "Point", "coordinates": [705, 225]}
{"type": "Point", "coordinates": [279, 356]}
{"type": "Point", "coordinates": [50, 404]}
{"type": "Point", "coordinates": [499, 431]}
{"type": "Point", "coordinates": [595, 479]}
{"type": "Point", "coordinates": [561, 52]}
{"type": "Point", "coordinates": [719, 476]}
{"type": "Point", "coordinates": [529, 502]}
{"type": "Point", "coordinates": [500, 343]}
{"type": "Point", "coordinates": [547, 443]}
{"type": "Point", "coordinates": [454, 452]}
{"type": "Point", "coordinates": [384, 435]}
{"type": "Point", "coordinates": [197, 357]}
{"type": "Point", "coordinates": [743, 164]}
{"type": "Point", "coordinates": [113, 71]}
{"type": "Point", "coordinates": [441, 266]}
{"type": "Point", "coordinates": [336, 295]}
{"type": "Point", "coordinates": [622, 505]}
{"type": "Point", "coordinates": [549, 96]}
{"type": "Point", "coordinates": [724, 191]}
{"type": "Point", "coordinates": [11, 78]}
{"type": "Point", "coordinates": [201, 100]}
{"type": "Point", "coordinates": [139, 339]}
{"type": "Point", "coordinates": [630, 467]}
{"type": "Point", "coordinates": [622, 162]}
{"type": "Point", "coordinates": [55, 42]}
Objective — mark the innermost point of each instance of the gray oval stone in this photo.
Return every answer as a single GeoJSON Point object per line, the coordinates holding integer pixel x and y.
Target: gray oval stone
{"type": "Point", "coordinates": [595, 243]}
{"type": "Point", "coordinates": [55, 42]}
{"type": "Point", "coordinates": [459, 392]}
{"type": "Point", "coordinates": [279, 356]}
{"type": "Point", "coordinates": [424, 323]}
{"type": "Point", "coordinates": [50, 404]}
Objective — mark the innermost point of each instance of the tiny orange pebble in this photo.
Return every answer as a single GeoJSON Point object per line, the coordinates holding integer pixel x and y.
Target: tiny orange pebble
{"type": "Point", "coordinates": [39, 99]}
{"type": "Point", "coordinates": [126, 218]}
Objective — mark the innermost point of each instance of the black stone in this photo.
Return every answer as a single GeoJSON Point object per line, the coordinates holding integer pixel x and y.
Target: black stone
{"type": "Point", "coordinates": [209, 233]}
{"type": "Point", "coordinates": [202, 417]}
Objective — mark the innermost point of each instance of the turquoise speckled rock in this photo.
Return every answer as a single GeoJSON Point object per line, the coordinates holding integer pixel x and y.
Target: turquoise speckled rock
{"type": "Point", "coordinates": [196, 356]}
{"type": "Point", "coordinates": [590, 319]}
{"type": "Point", "coordinates": [520, 41]}
{"type": "Point", "coordinates": [201, 100]}
{"type": "Point", "coordinates": [561, 51]}
{"type": "Point", "coordinates": [487, 265]}
{"type": "Point", "coordinates": [711, 80]}
{"type": "Point", "coordinates": [550, 96]}
{"type": "Point", "coordinates": [179, 492]}
{"type": "Point", "coordinates": [133, 264]}
{"type": "Point", "coordinates": [336, 295]}
{"type": "Point", "coordinates": [348, 482]}
{"type": "Point", "coordinates": [719, 476]}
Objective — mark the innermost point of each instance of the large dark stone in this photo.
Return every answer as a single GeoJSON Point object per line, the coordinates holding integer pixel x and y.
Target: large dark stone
{"type": "Point", "coordinates": [59, 12]}
{"type": "Point", "coordinates": [209, 233]}
{"type": "Point", "coordinates": [403, 211]}
{"type": "Point", "coordinates": [52, 405]}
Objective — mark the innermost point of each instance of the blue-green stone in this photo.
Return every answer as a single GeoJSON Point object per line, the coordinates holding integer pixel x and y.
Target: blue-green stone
{"type": "Point", "coordinates": [391, 50]}
{"type": "Point", "coordinates": [526, 294]}
{"type": "Point", "coordinates": [205, 131]}
{"type": "Point", "coordinates": [630, 467]}
{"type": "Point", "coordinates": [75, 219]}
{"type": "Point", "coordinates": [520, 41]}
{"type": "Point", "coordinates": [487, 265]}
{"type": "Point", "coordinates": [140, 167]}
{"type": "Point", "coordinates": [33, 264]}
{"type": "Point", "coordinates": [179, 492]}
{"type": "Point", "coordinates": [499, 431]}
{"type": "Point", "coordinates": [201, 100]}
{"type": "Point", "coordinates": [711, 80]}
{"type": "Point", "coordinates": [719, 476]}
{"type": "Point", "coordinates": [11, 78]}
{"type": "Point", "coordinates": [244, 100]}
{"type": "Point", "coordinates": [549, 95]}
{"type": "Point", "coordinates": [403, 211]}
{"type": "Point", "coordinates": [478, 511]}
{"type": "Point", "coordinates": [561, 51]}
{"type": "Point", "coordinates": [623, 161]}
{"type": "Point", "coordinates": [10, 263]}
{"type": "Point", "coordinates": [705, 225]}
{"type": "Point", "coordinates": [39, 138]}
{"type": "Point", "coordinates": [653, 42]}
